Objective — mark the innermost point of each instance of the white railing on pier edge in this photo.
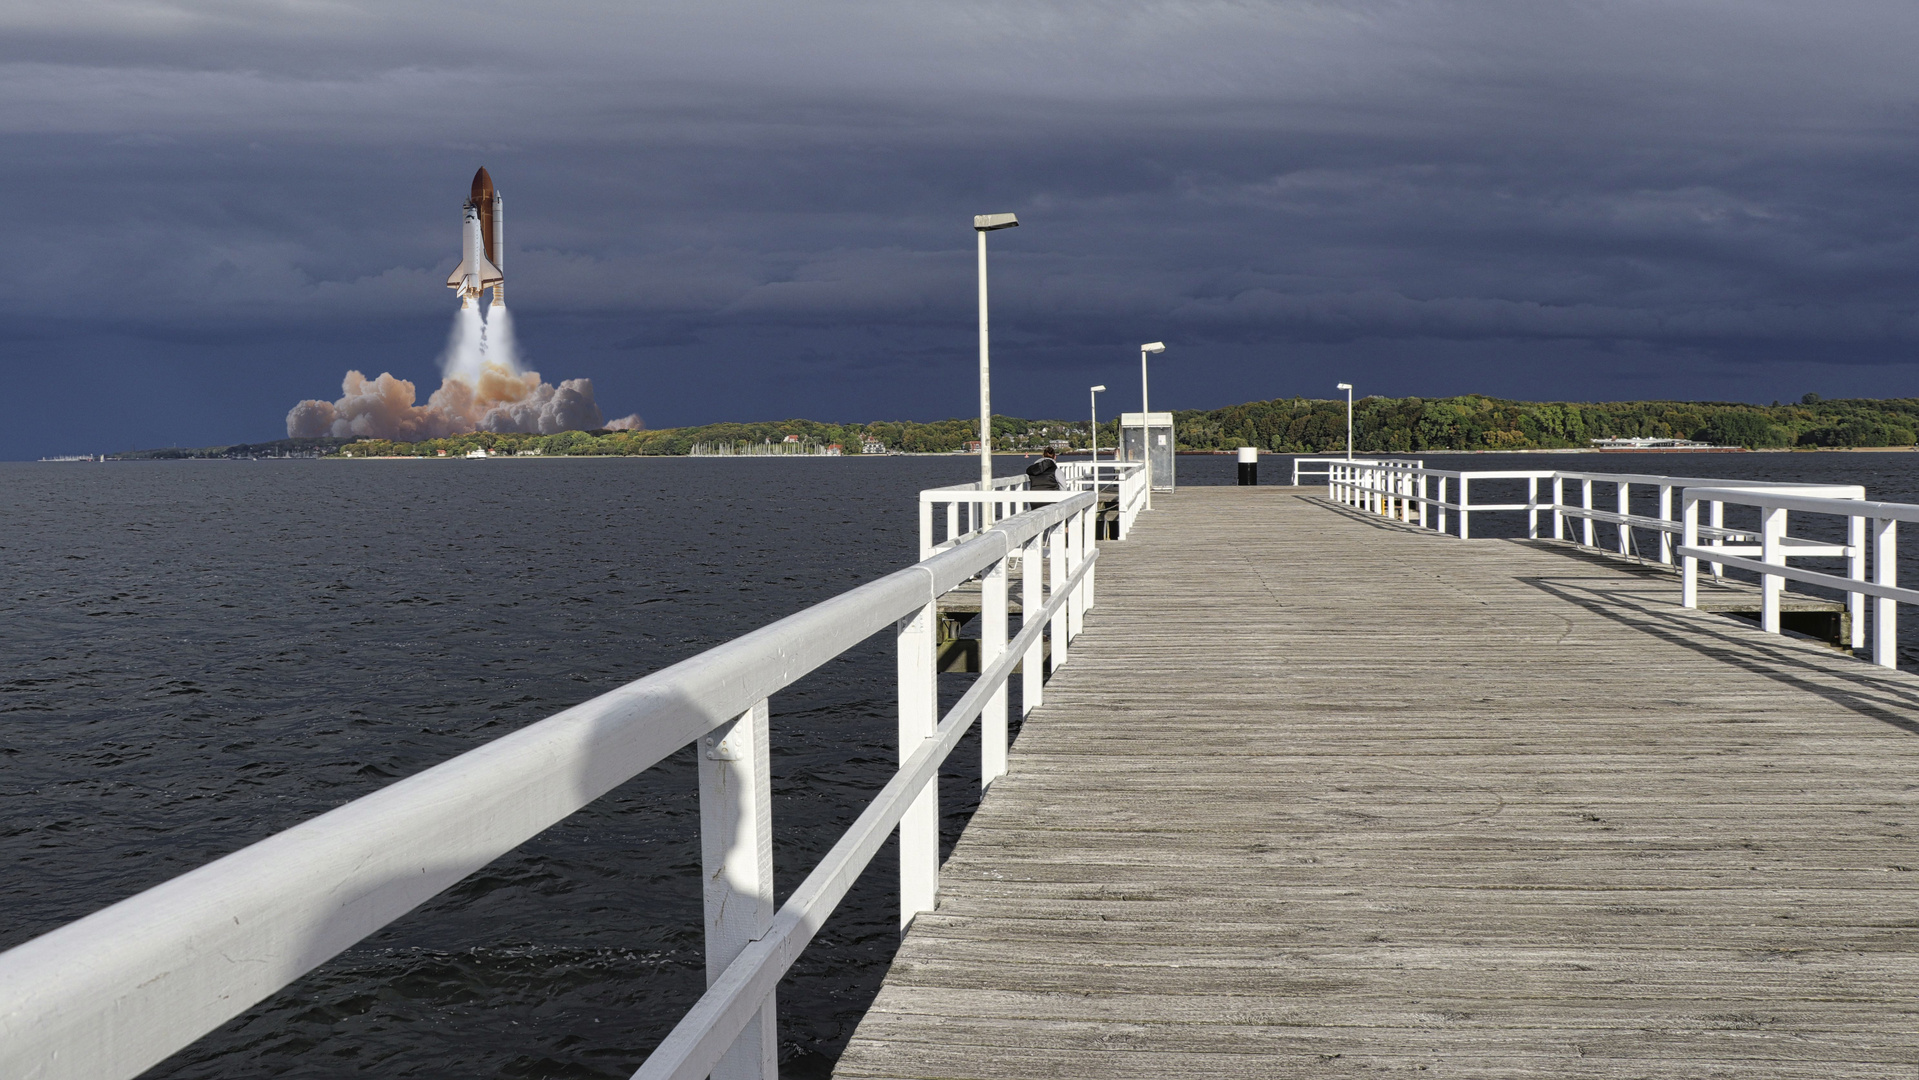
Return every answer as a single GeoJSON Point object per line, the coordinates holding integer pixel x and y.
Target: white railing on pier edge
{"type": "Point", "coordinates": [1405, 493]}
{"type": "Point", "coordinates": [1877, 521]}
{"type": "Point", "coordinates": [963, 511]}
{"type": "Point", "coordinates": [1309, 467]}
{"type": "Point", "coordinates": [108, 996]}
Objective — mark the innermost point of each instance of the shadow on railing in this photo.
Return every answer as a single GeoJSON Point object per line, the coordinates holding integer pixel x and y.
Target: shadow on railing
{"type": "Point", "coordinates": [110, 995]}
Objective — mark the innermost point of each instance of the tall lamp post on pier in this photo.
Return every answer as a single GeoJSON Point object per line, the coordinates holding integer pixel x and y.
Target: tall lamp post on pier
{"type": "Point", "coordinates": [1145, 422]}
{"type": "Point", "coordinates": [1348, 387]}
{"type": "Point", "coordinates": [983, 224]}
{"type": "Point", "coordinates": [1092, 394]}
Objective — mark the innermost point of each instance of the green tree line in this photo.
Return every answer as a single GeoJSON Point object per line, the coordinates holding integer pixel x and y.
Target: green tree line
{"type": "Point", "coordinates": [1283, 425]}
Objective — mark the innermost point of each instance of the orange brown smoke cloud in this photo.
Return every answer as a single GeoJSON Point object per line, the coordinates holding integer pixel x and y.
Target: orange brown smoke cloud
{"type": "Point", "coordinates": [483, 389]}
{"type": "Point", "coordinates": [494, 399]}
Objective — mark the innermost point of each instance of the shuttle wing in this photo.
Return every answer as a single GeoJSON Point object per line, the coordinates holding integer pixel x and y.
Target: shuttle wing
{"type": "Point", "coordinates": [488, 274]}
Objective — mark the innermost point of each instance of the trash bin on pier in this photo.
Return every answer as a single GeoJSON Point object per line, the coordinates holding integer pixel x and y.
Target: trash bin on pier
{"type": "Point", "coordinates": [1150, 440]}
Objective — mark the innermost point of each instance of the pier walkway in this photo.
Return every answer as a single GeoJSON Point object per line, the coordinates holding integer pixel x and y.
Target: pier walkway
{"type": "Point", "coordinates": [1321, 794]}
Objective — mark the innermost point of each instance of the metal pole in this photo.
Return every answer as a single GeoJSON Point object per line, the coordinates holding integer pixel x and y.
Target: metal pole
{"type": "Point", "coordinates": [985, 380]}
{"type": "Point", "coordinates": [1145, 431]}
{"type": "Point", "coordinates": [1349, 423]}
{"type": "Point", "coordinates": [1093, 396]}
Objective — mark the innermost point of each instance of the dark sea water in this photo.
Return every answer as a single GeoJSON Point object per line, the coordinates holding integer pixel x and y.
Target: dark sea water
{"type": "Point", "coordinates": [195, 655]}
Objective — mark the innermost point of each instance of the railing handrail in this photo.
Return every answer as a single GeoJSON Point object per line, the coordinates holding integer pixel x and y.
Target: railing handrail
{"type": "Point", "coordinates": [1403, 493]}
{"type": "Point", "coordinates": [690, 1051]}
{"type": "Point", "coordinates": [1127, 483]}
{"type": "Point", "coordinates": [1811, 504]}
{"type": "Point", "coordinates": [113, 993]}
{"type": "Point", "coordinates": [1298, 461]}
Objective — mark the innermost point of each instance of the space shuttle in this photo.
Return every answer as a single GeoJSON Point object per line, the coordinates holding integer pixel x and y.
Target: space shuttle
{"type": "Point", "coordinates": [482, 245]}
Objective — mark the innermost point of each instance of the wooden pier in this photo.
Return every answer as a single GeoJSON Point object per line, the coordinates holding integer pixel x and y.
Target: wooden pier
{"type": "Point", "coordinates": [1321, 794]}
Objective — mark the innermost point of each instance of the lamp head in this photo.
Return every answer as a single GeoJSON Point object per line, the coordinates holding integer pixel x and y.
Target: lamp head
{"type": "Point", "coordinates": [1153, 347]}
{"type": "Point", "coordinates": [989, 222]}
{"type": "Point", "coordinates": [1344, 386]}
{"type": "Point", "coordinates": [1097, 389]}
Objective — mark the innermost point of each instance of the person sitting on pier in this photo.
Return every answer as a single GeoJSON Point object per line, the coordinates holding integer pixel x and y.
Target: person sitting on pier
{"type": "Point", "coordinates": [1044, 472]}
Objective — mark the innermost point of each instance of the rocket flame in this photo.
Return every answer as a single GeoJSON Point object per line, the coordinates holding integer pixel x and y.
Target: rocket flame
{"type": "Point", "coordinates": [482, 388]}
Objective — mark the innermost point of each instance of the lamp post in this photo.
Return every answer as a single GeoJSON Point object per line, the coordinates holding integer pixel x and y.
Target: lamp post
{"type": "Point", "coordinates": [1145, 425]}
{"type": "Point", "coordinates": [1092, 395]}
{"type": "Point", "coordinates": [983, 224]}
{"type": "Point", "coordinates": [1348, 387]}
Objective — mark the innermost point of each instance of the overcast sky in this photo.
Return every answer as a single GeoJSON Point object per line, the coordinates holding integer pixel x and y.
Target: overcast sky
{"type": "Point", "coordinates": [722, 210]}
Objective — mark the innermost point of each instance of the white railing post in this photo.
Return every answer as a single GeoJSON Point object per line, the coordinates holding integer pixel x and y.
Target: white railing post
{"type": "Point", "coordinates": [1622, 493]}
{"type": "Point", "coordinates": [1559, 508]}
{"type": "Point", "coordinates": [1885, 613]}
{"type": "Point", "coordinates": [1031, 602]}
{"type": "Point", "coordinates": [1856, 570]}
{"type": "Point", "coordinates": [1056, 575]}
{"type": "Point", "coordinates": [1465, 509]}
{"type": "Point", "coordinates": [1689, 566]}
{"type": "Point", "coordinates": [1718, 522]}
{"type": "Point", "coordinates": [919, 716]}
{"type": "Point", "coordinates": [1423, 493]}
{"type": "Point", "coordinates": [1772, 531]}
{"type": "Point", "coordinates": [992, 645]}
{"type": "Point", "coordinates": [1074, 556]}
{"type": "Point", "coordinates": [1532, 508]}
{"type": "Point", "coordinates": [1586, 523]}
{"type": "Point", "coordinates": [1442, 504]}
{"type": "Point", "coordinates": [1090, 530]}
{"type": "Point", "coordinates": [1088, 541]}
{"type": "Point", "coordinates": [1665, 514]}
{"type": "Point", "coordinates": [736, 854]}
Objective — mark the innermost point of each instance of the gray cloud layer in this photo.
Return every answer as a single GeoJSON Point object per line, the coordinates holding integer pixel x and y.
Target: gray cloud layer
{"type": "Point", "coordinates": [725, 209]}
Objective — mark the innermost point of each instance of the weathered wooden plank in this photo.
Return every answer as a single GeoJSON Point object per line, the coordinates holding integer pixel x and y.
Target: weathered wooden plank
{"type": "Point", "coordinates": [1319, 793]}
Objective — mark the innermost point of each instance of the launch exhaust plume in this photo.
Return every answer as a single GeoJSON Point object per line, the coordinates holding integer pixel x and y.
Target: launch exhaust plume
{"type": "Point", "coordinates": [482, 388]}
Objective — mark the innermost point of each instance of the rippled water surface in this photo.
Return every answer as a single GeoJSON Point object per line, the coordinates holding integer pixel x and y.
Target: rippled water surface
{"type": "Point", "coordinates": [198, 654]}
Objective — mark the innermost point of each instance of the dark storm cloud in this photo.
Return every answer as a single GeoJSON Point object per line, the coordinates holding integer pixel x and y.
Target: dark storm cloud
{"type": "Point", "coordinates": [729, 210]}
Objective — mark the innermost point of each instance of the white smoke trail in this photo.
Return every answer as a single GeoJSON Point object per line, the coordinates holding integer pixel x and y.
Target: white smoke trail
{"type": "Point", "coordinates": [482, 388]}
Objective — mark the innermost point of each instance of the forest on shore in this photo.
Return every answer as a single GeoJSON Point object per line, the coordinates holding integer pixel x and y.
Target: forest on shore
{"type": "Point", "coordinates": [1283, 425]}
{"type": "Point", "coordinates": [1288, 425]}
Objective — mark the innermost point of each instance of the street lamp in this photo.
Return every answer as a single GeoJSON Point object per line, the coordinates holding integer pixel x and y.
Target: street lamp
{"type": "Point", "coordinates": [1348, 387]}
{"type": "Point", "coordinates": [1092, 395]}
{"type": "Point", "coordinates": [983, 224]}
{"type": "Point", "coordinates": [1146, 425]}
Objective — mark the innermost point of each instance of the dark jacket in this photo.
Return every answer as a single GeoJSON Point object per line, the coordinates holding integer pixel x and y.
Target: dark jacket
{"type": "Point", "coordinates": [1044, 473]}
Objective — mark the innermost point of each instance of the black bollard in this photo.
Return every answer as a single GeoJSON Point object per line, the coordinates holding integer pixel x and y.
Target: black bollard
{"type": "Point", "coordinates": [1248, 466]}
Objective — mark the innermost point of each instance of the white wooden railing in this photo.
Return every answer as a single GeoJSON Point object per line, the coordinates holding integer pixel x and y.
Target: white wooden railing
{"type": "Point", "coordinates": [108, 996]}
{"type": "Point", "coordinates": [1877, 522]}
{"type": "Point", "coordinates": [1405, 493]}
{"type": "Point", "coordinates": [950, 515]}
{"type": "Point", "coordinates": [1306, 468]}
